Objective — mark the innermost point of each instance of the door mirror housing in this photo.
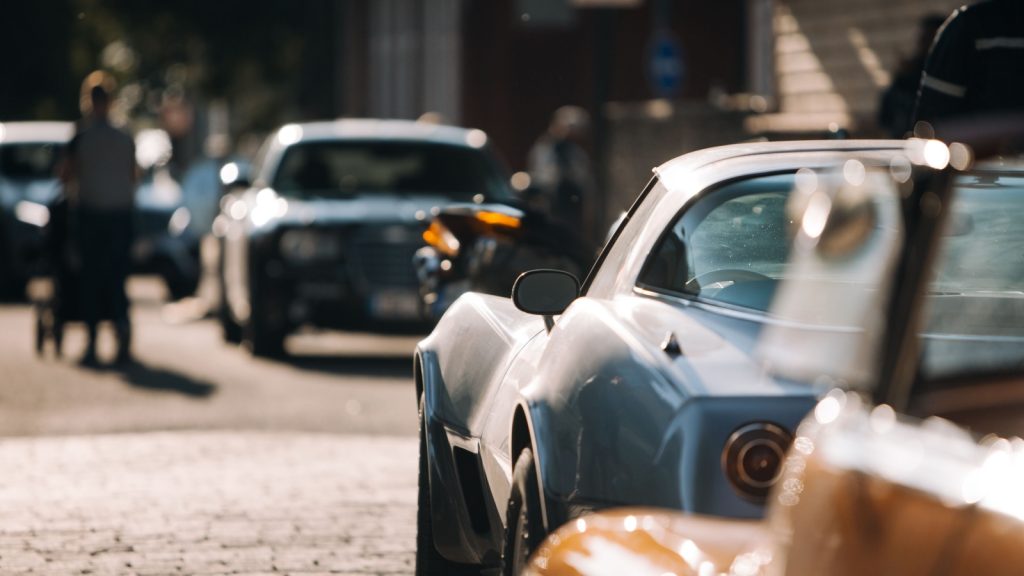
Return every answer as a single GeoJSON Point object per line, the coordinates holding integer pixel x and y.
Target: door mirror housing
{"type": "Point", "coordinates": [545, 292]}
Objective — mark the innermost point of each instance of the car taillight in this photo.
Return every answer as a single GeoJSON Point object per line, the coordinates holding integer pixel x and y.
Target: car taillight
{"type": "Point", "coordinates": [753, 457]}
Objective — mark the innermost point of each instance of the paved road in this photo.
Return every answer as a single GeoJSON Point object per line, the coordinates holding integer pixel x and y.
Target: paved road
{"type": "Point", "coordinates": [202, 460]}
{"type": "Point", "coordinates": [207, 503]}
{"type": "Point", "coordinates": [187, 378]}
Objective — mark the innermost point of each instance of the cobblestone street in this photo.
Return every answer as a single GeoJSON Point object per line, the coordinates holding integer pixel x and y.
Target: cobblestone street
{"type": "Point", "coordinates": [207, 503]}
{"type": "Point", "coordinates": [199, 458]}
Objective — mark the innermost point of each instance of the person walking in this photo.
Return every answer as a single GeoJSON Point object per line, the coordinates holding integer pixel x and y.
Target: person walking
{"type": "Point", "coordinates": [976, 63]}
{"type": "Point", "coordinates": [560, 169]}
{"type": "Point", "coordinates": [101, 168]}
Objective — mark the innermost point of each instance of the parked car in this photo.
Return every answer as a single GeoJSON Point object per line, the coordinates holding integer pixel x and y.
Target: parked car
{"type": "Point", "coordinates": [326, 234]}
{"type": "Point", "coordinates": [485, 247]}
{"type": "Point", "coordinates": [936, 303]}
{"type": "Point", "coordinates": [29, 153]}
{"type": "Point", "coordinates": [645, 383]}
{"type": "Point", "coordinates": [165, 242]}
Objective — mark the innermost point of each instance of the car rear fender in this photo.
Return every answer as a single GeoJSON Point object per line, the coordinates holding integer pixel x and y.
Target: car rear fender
{"type": "Point", "coordinates": [466, 355]}
{"type": "Point", "coordinates": [458, 371]}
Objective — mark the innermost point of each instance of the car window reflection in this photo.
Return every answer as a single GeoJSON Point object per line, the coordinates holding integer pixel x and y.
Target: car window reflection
{"type": "Point", "coordinates": [732, 246]}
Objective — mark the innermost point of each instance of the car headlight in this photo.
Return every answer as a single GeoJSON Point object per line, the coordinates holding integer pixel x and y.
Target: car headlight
{"type": "Point", "coordinates": [309, 245]}
{"type": "Point", "coordinates": [753, 457]}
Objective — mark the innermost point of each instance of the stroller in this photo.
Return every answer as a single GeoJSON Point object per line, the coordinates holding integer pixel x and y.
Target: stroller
{"type": "Point", "coordinates": [62, 263]}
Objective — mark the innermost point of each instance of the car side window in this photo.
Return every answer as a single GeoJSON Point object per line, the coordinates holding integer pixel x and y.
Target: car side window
{"type": "Point", "coordinates": [730, 246]}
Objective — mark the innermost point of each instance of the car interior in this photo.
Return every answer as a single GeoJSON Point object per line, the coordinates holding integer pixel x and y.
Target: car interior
{"type": "Point", "coordinates": [731, 246]}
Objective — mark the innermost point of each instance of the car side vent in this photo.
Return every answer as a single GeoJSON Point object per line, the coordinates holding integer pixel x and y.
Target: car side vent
{"type": "Point", "coordinates": [468, 469]}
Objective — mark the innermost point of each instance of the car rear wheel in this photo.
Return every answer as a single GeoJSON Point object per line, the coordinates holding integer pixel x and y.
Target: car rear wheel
{"type": "Point", "coordinates": [180, 283]}
{"type": "Point", "coordinates": [429, 561]}
{"type": "Point", "coordinates": [524, 529]}
{"type": "Point", "coordinates": [263, 336]}
{"type": "Point", "coordinates": [262, 340]}
{"type": "Point", "coordinates": [12, 283]}
{"type": "Point", "coordinates": [230, 329]}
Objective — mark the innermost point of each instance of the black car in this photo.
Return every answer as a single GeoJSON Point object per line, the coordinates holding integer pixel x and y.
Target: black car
{"type": "Point", "coordinates": [164, 243]}
{"type": "Point", "coordinates": [326, 232]}
{"type": "Point", "coordinates": [29, 153]}
{"type": "Point", "coordinates": [485, 247]}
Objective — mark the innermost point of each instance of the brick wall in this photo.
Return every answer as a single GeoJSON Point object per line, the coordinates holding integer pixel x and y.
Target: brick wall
{"type": "Point", "coordinates": [645, 135]}
{"type": "Point", "coordinates": [834, 57]}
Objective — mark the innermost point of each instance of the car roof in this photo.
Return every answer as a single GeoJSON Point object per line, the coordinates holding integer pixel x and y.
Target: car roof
{"type": "Point", "coordinates": [709, 156]}
{"type": "Point", "coordinates": [376, 129]}
{"type": "Point", "coordinates": [44, 131]}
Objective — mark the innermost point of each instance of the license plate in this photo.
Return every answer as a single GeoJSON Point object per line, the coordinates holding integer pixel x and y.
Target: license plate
{"type": "Point", "coordinates": [395, 305]}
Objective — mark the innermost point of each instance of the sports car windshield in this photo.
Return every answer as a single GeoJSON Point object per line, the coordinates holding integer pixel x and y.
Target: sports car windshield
{"type": "Point", "coordinates": [976, 305]}
{"type": "Point", "coordinates": [342, 169]}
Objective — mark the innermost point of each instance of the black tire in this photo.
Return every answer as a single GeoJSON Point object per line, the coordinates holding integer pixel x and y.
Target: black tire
{"type": "Point", "coordinates": [12, 282]}
{"type": "Point", "coordinates": [230, 329]}
{"type": "Point", "coordinates": [260, 339]}
{"type": "Point", "coordinates": [179, 284]}
{"type": "Point", "coordinates": [264, 336]}
{"type": "Point", "coordinates": [40, 331]}
{"type": "Point", "coordinates": [12, 286]}
{"type": "Point", "coordinates": [524, 527]}
{"type": "Point", "coordinates": [429, 561]}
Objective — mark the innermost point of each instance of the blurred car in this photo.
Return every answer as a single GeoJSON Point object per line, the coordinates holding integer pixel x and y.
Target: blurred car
{"type": "Point", "coordinates": [204, 184]}
{"type": "Point", "coordinates": [326, 234]}
{"type": "Point", "coordinates": [646, 382]}
{"type": "Point", "coordinates": [29, 153]}
{"type": "Point", "coordinates": [29, 187]}
{"type": "Point", "coordinates": [485, 247]}
{"type": "Point", "coordinates": [165, 241]}
{"type": "Point", "coordinates": [934, 296]}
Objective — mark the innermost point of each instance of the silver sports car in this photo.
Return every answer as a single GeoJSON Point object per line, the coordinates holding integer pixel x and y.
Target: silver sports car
{"type": "Point", "coordinates": [639, 387]}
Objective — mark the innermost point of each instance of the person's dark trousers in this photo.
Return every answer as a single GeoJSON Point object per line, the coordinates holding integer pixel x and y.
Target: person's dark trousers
{"type": "Point", "coordinates": [105, 238]}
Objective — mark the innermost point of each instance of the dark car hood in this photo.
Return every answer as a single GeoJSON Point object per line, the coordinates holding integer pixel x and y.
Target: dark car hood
{"type": "Point", "coordinates": [379, 208]}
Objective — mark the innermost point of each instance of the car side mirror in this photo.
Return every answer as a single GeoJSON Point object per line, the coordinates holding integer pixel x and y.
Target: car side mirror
{"type": "Point", "coordinates": [545, 292]}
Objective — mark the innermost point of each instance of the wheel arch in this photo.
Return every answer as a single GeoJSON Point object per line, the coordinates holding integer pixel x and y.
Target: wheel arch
{"type": "Point", "coordinates": [522, 436]}
{"type": "Point", "coordinates": [417, 373]}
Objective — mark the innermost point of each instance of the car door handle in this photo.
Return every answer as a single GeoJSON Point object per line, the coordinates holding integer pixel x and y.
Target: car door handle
{"type": "Point", "coordinates": [670, 345]}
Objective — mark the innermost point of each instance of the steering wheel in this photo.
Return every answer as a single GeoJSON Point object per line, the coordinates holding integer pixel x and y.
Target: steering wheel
{"type": "Point", "coordinates": [730, 275]}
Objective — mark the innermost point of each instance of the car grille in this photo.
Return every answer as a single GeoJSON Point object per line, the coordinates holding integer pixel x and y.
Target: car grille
{"type": "Point", "coordinates": [383, 263]}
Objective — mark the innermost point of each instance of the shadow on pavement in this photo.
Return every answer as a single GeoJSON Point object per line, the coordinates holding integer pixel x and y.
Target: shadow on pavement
{"type": "Point", "coordinates": [158, 379]}
{"type": "Point", "coordinates": [365, 365]}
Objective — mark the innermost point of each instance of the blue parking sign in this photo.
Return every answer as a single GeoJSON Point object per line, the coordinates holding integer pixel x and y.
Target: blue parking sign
{"type": "Point", "coordinates": [665, 68]}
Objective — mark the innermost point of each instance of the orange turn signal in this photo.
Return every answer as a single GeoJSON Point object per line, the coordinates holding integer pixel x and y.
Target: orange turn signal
{"type": "Point", "coordinates": [441, 238]}
{"type": "Point", "coordinates": [498, 219]}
